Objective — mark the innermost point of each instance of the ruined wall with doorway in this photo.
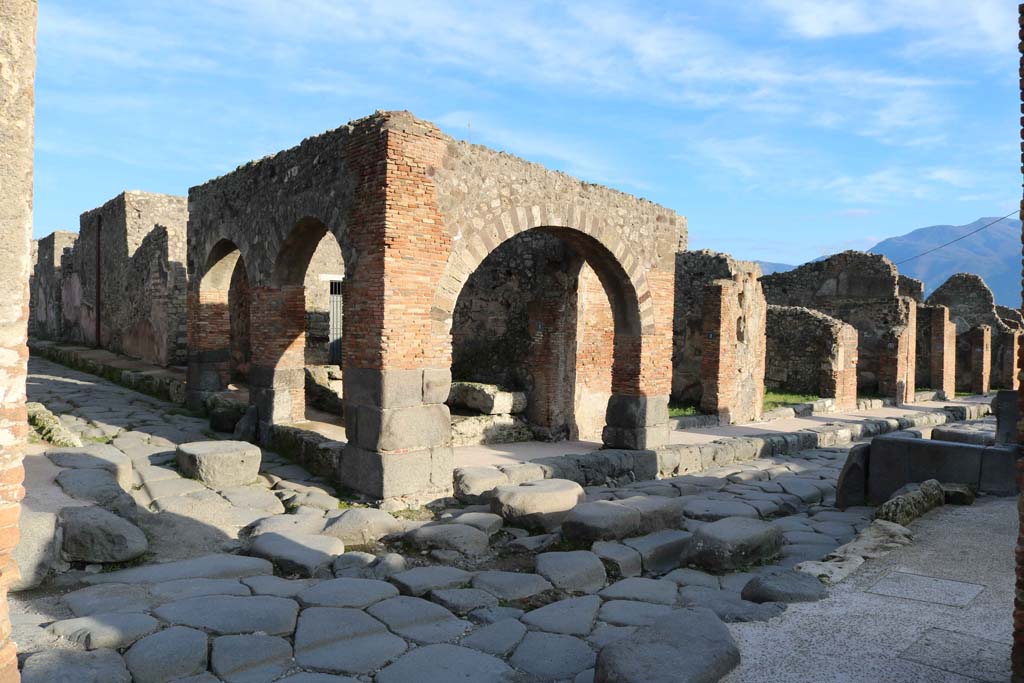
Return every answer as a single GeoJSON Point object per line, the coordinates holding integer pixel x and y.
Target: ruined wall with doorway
{"type": "Point", "coordinates": [971, 304]}
{"type": "Point", "coordinates": [326, 264]}
{"type": "Point", "coordinates": [811, 353]}
{"type": "Point", "coordinates": [45, 304]}
{"type": "Point", "coordinates": [719, 319]}
{"type": "Point", "coordinates": [862, 290]}
{"type": "Point", "coordinates": [123, 283]}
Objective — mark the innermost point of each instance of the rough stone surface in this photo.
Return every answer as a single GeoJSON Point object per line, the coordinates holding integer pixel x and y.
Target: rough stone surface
{"type": "Point", "coordinates": [552, 656]}
{"type": "Point", "coordinates": [356, 593]}
{"type": "Point", "coordinates": [497, 638]}
{"type": "Point", "coordinates": [733, 543]}
{"type": "Point", "coordinates": [92, 534]}
{"type": "Point", "coordinates": [458, 537]}
{"type": "Point", "coordinates": [577, 571]}
{"type": "Point", "coordinates": [419, 620]}
{"type": "Point", "coordinates": [305, 555]}
{"type": "Point", "coordinates": [219, 464]}
{"type": "Point", "coordinates": [361, 526]}
{"type": "Point", "coordinates": [444, 664]}
{"type": "Point", "coordinates": [573, 616]}
{"type": "Point", "coordinates": [229, 614]}
{"type": "Point", "coordinates": [250, 658]}
{"type": "Point", "coordinates": [344, 641]}
{"type": "Point", "coordinates": [790, 586]}
{"type": "Point", "coordinates": [537, 504]}
{"type": "Point", "coordinates": [510, 585]}
{"type": "Point", "coordinates": [114, 631]}
{"type": "Point", "coordinates": [69, 666]}
{"type": "Point", "coordinates": [175, 652]}
{"type": "Point", "coordinates": [421, 580]}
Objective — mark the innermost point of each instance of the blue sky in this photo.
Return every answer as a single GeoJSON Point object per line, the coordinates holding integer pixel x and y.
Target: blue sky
{"type": "Point", "coordinates": [783, 129]}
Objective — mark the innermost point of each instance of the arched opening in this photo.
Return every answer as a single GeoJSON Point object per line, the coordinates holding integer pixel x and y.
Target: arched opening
{"type": "Point", "coordinates": [539, 329]}
{"type": "Point", "coordinates": [301, 357]}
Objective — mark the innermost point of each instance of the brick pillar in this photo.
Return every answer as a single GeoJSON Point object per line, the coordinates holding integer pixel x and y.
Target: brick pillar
{"type": "Point", "coordinates": [209, 342]}
{"type": "Point", "coordinates": [595, 338]}
{"type": "Point", "coordinates": [397, 356]}
{"type": "Point", "coordinates": [17, 66]}
{"type": "Point", "coordinates": [277, 377]}
{"type": "Point", "coordinates": [942, 359]}
{"type": "Point", "coordinates": [551, 363]}
{"type": "Point", "coordinates": [717, 365]}
{"type": "Point", "coordinates": [897, 371]}
{"type": "Point", "coordinates": [1017, 657]}
{"type": "Point", "coordinates": [980, 340]}
{"type": "Point", "coordinates": [839, 378]}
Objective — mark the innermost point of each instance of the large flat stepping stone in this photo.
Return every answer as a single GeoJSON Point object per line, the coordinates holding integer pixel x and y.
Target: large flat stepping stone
{"type": "Point", "coordinates": [445, 664]}
{"type": "Point", "coordinates": [552, 656]}
{"type": "Point", "coordinates": [421, 580]}
{"type": "Point", "coordinates": [71, 666]}
{"type": "Point", "coordinates": [229, 614]}
{"type": "Point", "coordinates": [539, 504]}
{"type": "Point", "coordinates": [789, 586]}
{"type": "Point", "coordinates": [573, 616]}
{"type": "Point", "coordinates": [95, 456]}
{"type": "Point", "coordinates": [114, 631]}
{"type": "Point", "coordinates": [511, 585]}
{"type": "Point", "coordinates": [601, 520]}
{"type": "Point", "coordinates": [250, 659]}
{"type": "Point", "coordinates": [733, 543]}
{"type": "Point", "coordinates": [458, 537]}
{"type": "Point", "coordinates": [362, 526]}
{"type": "Point", "coordinates": [103, 599]}
{"type": "Point", "coordinates": [276, 586]}
{"type": "Point", "coordinates": [658, 591]}
{"type": "Point", "coordinates": [631, 612]}
{"type": "Point", "coordinates": [687, 646]}
{"type": "Point", "coordinates": [304, 555]}
{"type": "Point", "coordinates": [419, 620]}
{"type": "Point", "coordinates": [713, 510]}
{"type": "Point", "coordinates": [166, 655]}
{"type": "Point", "coordinates": [357, 593]}
{"type": "Point", "coordinates": [94, 535]}
{"type": "Point", "coordinates": [476, 484]}
{"type": "Point", "coordinates": [620, 561]}
{"type": "Point", "coordinates": [344, 640]}
{"type": "Point", "coordinates": [498, 638]}
{"type": "Point", "coordinates": [576, 571]}
{"type": "Point", "coordinates": [220, 566]}
{"type": "Point", "coordinates": [219, 464]}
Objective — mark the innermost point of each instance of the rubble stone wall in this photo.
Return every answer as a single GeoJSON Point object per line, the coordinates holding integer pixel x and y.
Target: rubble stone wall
{"type": "Point", "coordinates": [811, 353]}
{"type": "Point", "coordinates": [45, 306]}
{"type": "Point", "coordinates": [862, 290]}
{"type": "Point", "coordinates": [972, 304]}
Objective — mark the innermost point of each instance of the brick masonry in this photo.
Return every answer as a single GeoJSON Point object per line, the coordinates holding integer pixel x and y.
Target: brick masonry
{"type": "Point", "coordinates": [936, 350]}
{"type": "Point", "coordinates": [17, 117]}
{"type": "Point", "coordinates": [971, 303]}
{"type": "Point", "coordinates": [863, 290]}
{"type": "Point", "coordinates": [811, 353]}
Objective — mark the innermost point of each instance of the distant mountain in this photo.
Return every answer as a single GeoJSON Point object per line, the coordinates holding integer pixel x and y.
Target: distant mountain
{"type": "Point", "coordinates": [767, 267]}
{"type": "Point", "coordinates": [993, 253]}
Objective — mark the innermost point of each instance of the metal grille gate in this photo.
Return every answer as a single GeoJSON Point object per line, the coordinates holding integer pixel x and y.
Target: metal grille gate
{"type": "Point", "coordinates": [334, 332]}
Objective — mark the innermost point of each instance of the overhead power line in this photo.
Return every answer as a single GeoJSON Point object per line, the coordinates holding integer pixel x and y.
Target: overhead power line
{"type": "Point", "coordinates": [972, 232]}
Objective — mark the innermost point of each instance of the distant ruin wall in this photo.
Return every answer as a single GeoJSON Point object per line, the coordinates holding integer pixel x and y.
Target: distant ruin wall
{"type": "Point", "coordinates": [862, 290]}
{"type": "Point", "coordinates": [718, 359]}
{"type": "Point", "coordinates": [936, 350]}
{"type": "Point", "coordinates": [811, 353]}
{"type": "Point", "coordinates": [46, 319]}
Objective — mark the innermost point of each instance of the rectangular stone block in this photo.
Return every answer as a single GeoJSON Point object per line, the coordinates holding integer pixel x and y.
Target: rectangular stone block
{"type": "Point", "coordinates": [392, 475]}
{"type": "Point", "coordinates": [1007, 409]}
{"type": "Point", "coordinates": [635, 439]}
{"type": "Point", "coordinates": [437, 384]}
{"type": "Point", "coordinates": [896, 461]}
{"type": "Point", "coordinates": [399, 429]}
{"type": "Point", "coordinates": [998, 469]}
{"type": "Point", "coordinates": [384, 388]}
{"type": "Point", "coordinates": [636, 411]}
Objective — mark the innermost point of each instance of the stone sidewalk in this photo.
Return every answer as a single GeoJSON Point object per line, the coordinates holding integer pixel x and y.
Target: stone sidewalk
{"type": "Point", "coordinates": [937, 611]}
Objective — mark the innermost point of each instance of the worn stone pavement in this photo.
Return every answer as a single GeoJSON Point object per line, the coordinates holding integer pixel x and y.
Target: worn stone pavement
{"type": "Point", "coordinates": [255, 583]}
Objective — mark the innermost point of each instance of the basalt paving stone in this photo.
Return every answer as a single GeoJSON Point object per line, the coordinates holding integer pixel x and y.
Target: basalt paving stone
{"type": "Point", "coordinates": [657, 591]}
{"type": "Point", "coordinates": [511, 585]}
{"type": "Point", "coordinates": [226, 614]}
{"type": "Point", "coordinates": [250, 659]}
{"type": "Point", "coordinates": [422, 580]}
{"type": "Point", "coordinates": [728, 605]}
{"type": "Point", "coordinates": [575, 571]}
{"type": "Point", "coordinates": [173, 653]}
{"type": "Point", "coordinates": [491, 615]}
{"type": "Point", "coordinates": [419, 620]}
{"type": "Point", "coordinates": [342, 640]}
{"type": "Point", "coordinates": [498, 638]}
{"type": "Point", "coordinates": [961, 653]}
{"type": "Point", "coordinates": [114, 631]}
{"type": "Point", "coordinates": [191, 588]}
{"type": "Point", "coordinates": [552, 656]}
{"type": "Point", "coordinates": [463, 600]}
{"type": "Point", "coordinates": [308, 677]}
{"type": "Point", "coordinates": [358, 593]}
{"type": "Point", "coordinates": [445, 664]}
{"type": "Point", "coordinates": [605, 634]}
{"type": "Point", "coordinates": [573, 616]}
{"type": "Point", "coordinates": [631, 612]}
{"type": "Point", "coordinates": [69, 666]}
{"type": "Point", "coordinates": [208, 566]}
{"type": "Point", "coordinates": [276, 586]}
{"type": "Point", "coordinates": [926, 589]}
{"type": "Point", "coordinates": [107, 598]}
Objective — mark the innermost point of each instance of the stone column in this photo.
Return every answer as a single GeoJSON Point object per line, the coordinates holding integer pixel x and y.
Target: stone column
{"type": "Point", "coordinates": [17, 100]}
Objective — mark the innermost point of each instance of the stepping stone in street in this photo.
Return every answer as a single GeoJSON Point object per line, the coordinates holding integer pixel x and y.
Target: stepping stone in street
{"type": "Point", "coordinates": [511, 585]}
{"type": "Point", "coordinates": [573, 616]}
{"type": "Point", "coordinates": [620, 561]}
{"type": "Point", "coordinates": [660, 550]}
{"type": "Point", "coordinates": [362, 526]}
{"type": "Point", "coordinates": [602, 520]}
{"type": "Point", "coordinates": [218, 566]}
{"type": "Point", "coordinates": [341, 640]}
{"type": "Point", "coordinates": [458, 537]}
{"type": "Point", "coordinates": [71, 666]}
{"type": "Point", "coordinates": [487, 522]}
{"type": "Point", "coordinates": [498, 638]}
{"type": "Point", "coordinates": [250, 658]}
{"type": "Point", "coordinates": [445, 664]}
{"type": "Point", "coordinates": [657, 591]}
{"type": "Point", "coordinates": [167, 655]}
{"type": "Point", "coordinates": [540, 505]}
{"type": "Point", "coordinates": [421, 580]}
{"type": "Point", "coordinates": [576, 571]}
{"type": "Point", "coordinates": [419, 620]}
{"type": "Point", "coordinates": [228, 614]}
{"type": "Point", "coordinates": [357, 593]}
{"type": "Point", "coordinates": [552, 656]}
{"type": "Point", "coordinates": [687, 645]}
{"type": "Point", "coordinates": [475, 484]}
{"type": "Point", "coordinates": [733, 543]}
{"type": "Point", "coordinates": [219, 464]}
{"type": "Point", "coordinates": [304, 555]}
{"type": "Point", "coordinates": [114, 631]}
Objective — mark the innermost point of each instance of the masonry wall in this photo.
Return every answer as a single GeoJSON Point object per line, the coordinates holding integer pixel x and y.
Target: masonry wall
{"type": "Point", "coordinates": [972, 304]}
{"type": "Point", "coordinates": [326, 264]}
{"type": "Point", "coordinates": [123, 284]}
{"type": "Point", "coordinates": [595, 340]}
{"type": "Point", "coordinates": [811, 353]}
{"type": "Point", "coordinates": [862, 290]}
{"type": "Point", "coordinates": [45, 305]}
{"type": "Point", "coordinates": [718, 359]}
{"type": "Point", "coordinates": [936, 350]}
{"type": "Point", "coordinates": [17, 77]}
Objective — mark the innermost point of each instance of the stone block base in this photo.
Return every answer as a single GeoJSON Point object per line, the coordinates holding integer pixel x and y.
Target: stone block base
{"type": "Point", "coordinates": [397, 475]}
{"type": "Point", "coordinates": [635, 438]}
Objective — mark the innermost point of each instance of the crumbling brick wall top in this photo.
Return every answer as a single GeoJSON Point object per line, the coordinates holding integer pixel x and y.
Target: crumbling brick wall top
{"type": "Point", "coordinates": [911, 287]}
{"type": "Point", "coordinates": [850, 275]}
{"type": "Point", "coordinates": [970, 303]}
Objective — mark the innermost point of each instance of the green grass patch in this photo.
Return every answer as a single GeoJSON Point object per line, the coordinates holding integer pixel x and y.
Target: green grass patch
{"type": "Point", "coordinates": [682, 409]}
{"type": "Point", "coordinates": [778, 399]}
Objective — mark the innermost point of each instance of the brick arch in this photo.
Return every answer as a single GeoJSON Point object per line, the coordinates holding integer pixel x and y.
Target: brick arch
{"type": "Point", "coordinates": [620, 269]}
{"type": "Point", "coordinates": [219, 265]}
{"type": "Point", "coordinates": [292, 257]}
